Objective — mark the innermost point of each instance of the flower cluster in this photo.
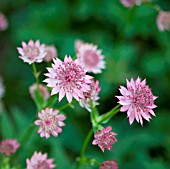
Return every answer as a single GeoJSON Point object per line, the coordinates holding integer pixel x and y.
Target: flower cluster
{"type": "Point", "coordinates": [3, 22]}
{"type": "Point", "coordinates": [51, 53]}
{"type": "Point", "coordinates": [109, 165]}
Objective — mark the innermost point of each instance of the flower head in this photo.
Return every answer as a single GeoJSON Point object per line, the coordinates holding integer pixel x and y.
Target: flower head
{"type": "Point", "coordinates": [51, 53]}
{"type": "Point", "coordinates": [77, 44]}
{"type": "Point", "coordinates": [105, 138]}
{"type": "Point", "coordinates": [91, 95]}
{"type": "Point", "coordinates": [39, 161]}
{"type": "Point", "coordinates": [50, 122]}
{"type": "Point", "coordinates": [137, 100]}
{"type": "Point", "coordinates": [90, 57]}
{"type": "Point", "coordinates": [3, 22]}
{"type": "Point", "coordinates": [9, 146]}
{"type": "Point", "coordinates": [43, 91]}
{"type": "Point", "coordinates": [109, 165]}
{"type": "Point", "coordinates": [68, 78]}
{"type": "Point", "coordinates": [163, 20]}
{"type": "Point", "coordinates": [33, 52]}
{"type": "Point", "coordinates": [130, 3]}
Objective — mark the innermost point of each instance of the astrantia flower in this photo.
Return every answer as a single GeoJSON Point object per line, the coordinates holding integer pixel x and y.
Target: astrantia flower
{"type": "Point", "coordinates": [50, 122]}
{"type": "Point", "coordinates": [33, 52]}
{"type": "Point", "coordinates": [9, 146]}
{"type": "Point", "coordinates": [3, 22]}
{"type": "Point", "coordinates": [137, 100]}
{"type": "Point", "coordinates": [77, 44]}
{"type": "Point", "coordinates": [130, 3]}
{"type": "Point", "coordinates": [2, 89]}
{"type": "Point", "coordinates": [163, 20]}
{"type": "Point", "coordinates": [51, 53]}
{"type": "Point", "coordinates": [105, 138]}
{"type": "Point", "coordinates": [109, 165]}
{"type": "Point", "coordinates": [91, 57]}
{"type": "Point", "coordinates": [43, 91]}
{"type": "Point", "coordinates": [92, 94]}
{"type": "Point", "coordinates": [40, 161]}
{"type": "Point", "coordinates": [68, 78]}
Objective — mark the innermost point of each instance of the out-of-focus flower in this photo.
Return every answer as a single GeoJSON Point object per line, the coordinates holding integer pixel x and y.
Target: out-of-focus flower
{"type": "Point", "coordinates": [105, 138]}
{"type": "Point", "coordinates": [51, 53]}
{"type": "Point", "coordinates": [130, 3]}
{"type": "Point", "coordinates": [50, 122]}
{"type": "Point", "coordinates": [77, 44]}
{"type": "Point", "coordinates": [2, 88]}
{"type": "Point", "coordinates": [109, 165]}
{"type": "Point", "coordinates": [163, 20]}
{"type": "Point", "coordinates": [33, 52]}
{"type": "Point", "coordinates": [40, 161]}
{"type": "Point", "coordinates": [92, 94]}
{"type": "Point", "coordinates": [90, 56]}
{"type": "Point", "coordinates": [137, 100]}
{"type": "Point", "coordinates": [3, 22]}
{"type": "Point", "coordinates": [9, 146]}
{"type": "Point", "coordinates": [68, 78]}
{"type": "Point", "coordinates": [43, 90]}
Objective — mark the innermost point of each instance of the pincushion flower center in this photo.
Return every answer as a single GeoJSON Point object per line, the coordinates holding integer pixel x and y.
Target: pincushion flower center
{"type": "Point", "coordinates": [42, 165]}
{"type": "Point", "coordinates": [31, 52]}
{"type": "Point", "coordinates": [91, 58]}
{"type": "Point", "coordinates": [7, 147]}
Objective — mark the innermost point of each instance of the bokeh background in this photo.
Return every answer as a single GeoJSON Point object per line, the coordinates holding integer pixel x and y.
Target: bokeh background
{"type": "Point", "coordinates": [132, 46]}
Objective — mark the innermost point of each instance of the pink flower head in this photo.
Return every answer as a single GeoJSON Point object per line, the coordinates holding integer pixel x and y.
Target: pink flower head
{"type": "Point", "coordinates": [77, 44]}
{"type": "Point", "coordinates": [163, 20]}
{"type": "Point", "coordinates": [51, 53]}
{"type": "Point", "coordinates": [3, 22]}
{"type": "Point", "coordinates": [33, 52]}
{"type": "Point", "coordinates": [137, 100]}
{"type": "Point", "coordinates": [92, 94]}
{"type": "Point", "coordinates": [9, 146]}
{"type": "Point", "coordinates": [105, 138]}
{"type": "Point", "coordinates": [43, 90]}
{"type": "Point", "coordinates": [68, 78]}
{"type": "Point", "coordinates": [91, 57]}
{"type": "Point", "coordinates": [39, 161]}
{"type": "Point", "coordinates": [50, 122]}
{"type": "Point", "coordinates": [130, 3]}
{"type": "Point", "coordinates": [2, 89]}
{"type": "Point", "coordinates": [109, 165]}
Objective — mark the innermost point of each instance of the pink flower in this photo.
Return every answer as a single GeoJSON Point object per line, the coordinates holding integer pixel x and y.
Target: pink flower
{"type": "Point", "coordinates": [77, 44]}
{"type": "Point", "coordinates": [50, 122]}
{"type": "Point", "coordinates": [137, 100]}
{"type": "Point", "coordinates": [109, 165]}
{"type": "Point", "coordinates": [90, 57]}
{"type": "Point", "coordinates": [9, 146]}
{"type": "Point", "coordinates": [33, 52]}
{"type": "Point", "coordinates": [91, 95]}
{"type": "Point", "coordinates": [43, 90]}
{"type": "Point", "coordinates": [51, 53]}
{"type": "Point", "coordinates": [105, 138]}
{"type": "Point", "coordinates": [130, 3]}
{"type": "Point", "coordinates": [39, 161]}
{"type": "Point", "coordinates": [68, 78]}
{"type": "Point", "coordinates": [163, 20]}
{"type": "Point", "coordinates": [3, 22]}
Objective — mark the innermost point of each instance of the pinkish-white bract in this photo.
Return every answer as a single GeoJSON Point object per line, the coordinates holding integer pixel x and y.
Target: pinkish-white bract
{"type": "Point", "coordinates": [138, 100]}
{"type": "Point", "coordinates": [91, 95]}
{"type": "Point", "coordinates": [40, 161]}
{"type": "Point", "coordinates": [68, 78]}
{"type": "Point", "coordinates": [50, 122]}
{"type": "Point", "coordinates": [163, 20]}
{"type": "Point", "coordinates": [3, 22]}
{"type": "Point", "coordinates": [77, 44]}
{"type": "Point", "coordinates": [130, 3]}
{"type": "Point", "coordinates": [9, 146]}
{"type": "Point", "coordinates": [32, 52]}
{"type": "Point", "coordinates": [90, 57]}
{"type": "Point", "coordinates": [105, 138]}
{"type": "Point", "coordinates": [51, 53]}
{"type": "Point", "coordinates": [109, 164]}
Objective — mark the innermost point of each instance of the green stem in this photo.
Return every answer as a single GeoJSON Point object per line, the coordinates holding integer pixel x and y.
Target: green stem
{"type": "Point", "coordinates": [66, 105]}
{"type": "Point", "coordinates": [35, 73]}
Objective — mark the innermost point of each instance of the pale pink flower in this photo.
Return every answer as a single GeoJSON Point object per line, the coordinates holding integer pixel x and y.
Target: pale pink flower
{"type": "Point", "coordinates": [50, 122]}
{"type": "Point", "coordinates": [91, 95]}
{"type": "Point", "coordinates": [43, 91]}
{"type": "Point", "coordinates": [137, 100]}
{"type": "Point", "coordinates": [105, 138]}
{"type": "Point", "coordinates": [3, 22]}
{"type": "Point", "coordinates": [109, 164]}
{"type": "Point", "coordinates": [33, 52]}
{"type": "Point", "coordinates": [90, 57]}
{"type": "Point", "coordinates": [2, 88]}
{"type": "Point", "coordinates": [77, 44]}
{"type": "Point", "coordinates": [51, 53]}
{"type": "Point", "coordinates": [163, 20]}
{"type": "Point", "coordinates": [130, 3]}
{"type": "Point", "coordinates": [68, 78]}
{"type": "Point", "coordinates": [40, 161]}
{"type": "Point", "coordinates": [9, 146]}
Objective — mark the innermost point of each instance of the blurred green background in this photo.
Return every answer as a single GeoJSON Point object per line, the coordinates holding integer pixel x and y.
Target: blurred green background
{"type": "Point", "coordinates": [132, 46]}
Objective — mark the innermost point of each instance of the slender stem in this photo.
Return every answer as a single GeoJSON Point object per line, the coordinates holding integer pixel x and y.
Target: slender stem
{"type": "Point", "coordinates": [66, 105]}
{"type": "Point", "coordinates": [35, 73]}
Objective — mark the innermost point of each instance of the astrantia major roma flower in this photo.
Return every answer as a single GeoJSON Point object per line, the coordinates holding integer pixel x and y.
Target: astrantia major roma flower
{"type": "Point", "coordinates": [109, 164]}
{"type": "Point", "coordinates": [51, 53]}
